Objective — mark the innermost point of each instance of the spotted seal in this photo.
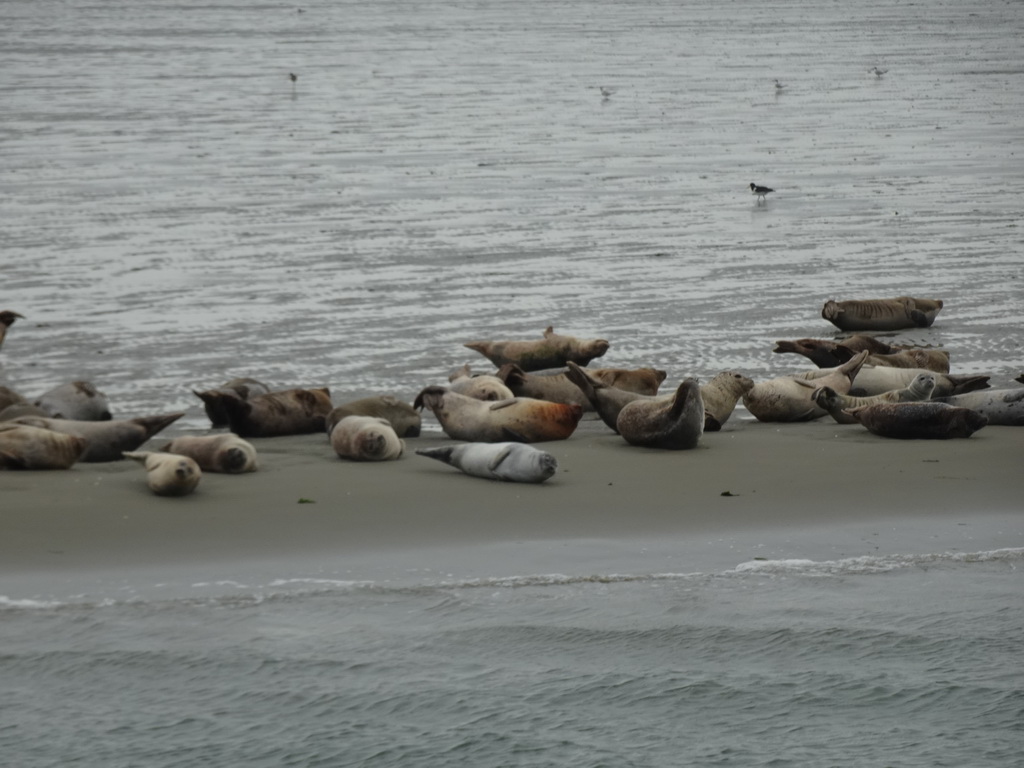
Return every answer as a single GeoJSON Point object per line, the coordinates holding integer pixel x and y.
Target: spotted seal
{"type": "Point", "coordinates": [929, 420]}
{"type": "Point", "coordinates": [674, 423]}
{"type": "Point", "coordinates": [919, 389]}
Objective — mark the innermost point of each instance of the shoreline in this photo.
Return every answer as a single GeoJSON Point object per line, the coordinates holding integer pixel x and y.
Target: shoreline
{"type": "Point", "coordinates": [811, 489]}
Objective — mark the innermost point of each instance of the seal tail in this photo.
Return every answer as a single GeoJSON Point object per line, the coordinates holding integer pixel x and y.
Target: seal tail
{"type": "Point", "coordinates": [963, 384]}
{"type": "Point", "coordinates": [513, 376]}
{"type": "Point", "coordinates": [154, 424]}
{"type": "Point", "coordinates": [441, 454]}
{"type": "Point", "coordinates": [139, 456]}
{"type": "Point", "coordinates": [427, 398]}
{"type": "Point", "coordinates": [852, 366]}
{"type": "Point", "coordinates": [687, 390]}
{"type": "Point", "coordinates": [587, 385]}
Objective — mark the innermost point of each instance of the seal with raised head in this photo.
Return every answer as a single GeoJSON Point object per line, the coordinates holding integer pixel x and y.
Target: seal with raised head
{"type": "Point", "coordinates": [404, 419]}
{"type": "Point", "coordinates": [366, 438]}
{"type": "Point", "coordinates": [1002, 407]}
{"type": "Point", "coordinates": [25, 447]}
{"type": "Point", "coordinates": [226, 452]}
{"type": "Point", "coordinates": [512, 462]}
{"type": "Point", "coordinates": [876, 379]}
{"type": "Point", "coordinates": [919, 389]}
{"type": "Point", "coordinates": [720, 396]}
{"type": "Point", "coordinates": [7, 318]}
{"type": "Point", "coordinates": [675, 423]}
{"type": "Point", "coordinates": [521, 419]}
{"type": "Point", "coordinates": [76, 400]}
{"type": "Point", "coordinates": [919, 421]}
{"type": "Point", "coordinates": [552, 351]}
{"type": "Point", "coordinates": [241, 388]}
{"type": "Point", "coordinates": [483, 386]}
{"type": "Point", "coordinates": [881, 314]}
{"type": "Point", "coordinates": [168, 474]}
{"type": "Point", "coordinates": [106, 440]}
{"type": "Point", "coordinates": [287, 412]}
{"type": "Point", "coordinates": [788, 398]}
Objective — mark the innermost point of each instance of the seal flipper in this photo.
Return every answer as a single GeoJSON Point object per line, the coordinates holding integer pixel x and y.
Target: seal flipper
{"type": "Point", "coordinates": [513, 436]}
{"type": "Point", "coordinates": [711, 424]}
{"type": "Point", "coordinates": [499, 457]}
{"type": "Point", "coordinates": [441, 454]}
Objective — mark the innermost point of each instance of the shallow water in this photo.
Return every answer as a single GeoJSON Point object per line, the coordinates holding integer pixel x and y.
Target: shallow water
{"type": "Point", "coordinates": [174, 213]}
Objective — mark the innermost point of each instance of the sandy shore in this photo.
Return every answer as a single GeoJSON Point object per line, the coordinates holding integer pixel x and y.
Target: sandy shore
{"type": "Point", "coordinates": [802, 481]}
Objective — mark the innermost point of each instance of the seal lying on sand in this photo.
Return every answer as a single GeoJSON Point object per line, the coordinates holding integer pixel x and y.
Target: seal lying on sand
{"type": "Point", "coordinates": [7, 318]}
{"type": "Point", "coordinates": [241, 389]}
{"type": "Point", "coordinates": [553, 351]}
{"type": "Point", "coordinates": [521, 419]}
{"type": "Point", "coordinates": [881, 314]}
{"type": "Point", "coordinates": [788, 398]}
{"type": "Point", "coordinates": [720, 396]}
{"type": "Point", "coordinates": [606, 400]}
{"type": "Point", "coordinates": [876, 379]}
{"type": "Point", "coordinates": [919, 389]}
{"type": "Point", "coordinates": [168, 474]}
{"type": "Point", "coordinates": [559, 388]}
{"type": "Point", "coordinates": [919, 421]}
{"type": "Point", "coordinates": [106, 440]}
{"type": "Point", "coordinates": [216, 453]}
{"type": "Point", "coordinates": [288, 412]}
{"type": "Point", "coordinates": [828, 354]}
{"type": "Point", "coordinates": [1002, 407]}
{"type": "Point", "coordinates": [366, 438]}
{"type": "Point", "coordinates": [404, 419]}
{"type": "Point", "coordinates": [513, 462]}
{"type": "Point", "coordinates": [482, 387]}
{"type": "Point", "coordinates": [77, 400]}
{"type": "Point", "coordinates": [25, 447]}
{"type": "Point", "coordinates": [676, 423]}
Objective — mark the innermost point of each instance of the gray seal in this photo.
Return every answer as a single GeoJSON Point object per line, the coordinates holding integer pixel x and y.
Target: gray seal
{"type": "Point", "coordinates": [512, 462]}
{"type": "Point", "coordinates": [106, 440]}
{"type": "Point", "coordinates": [675, 422]}
{"type": "Point", "coordinates": [919, 389]}
{"type": "Point", "coordinates": [77, 400]}
{"type": "Point", "coordinates": [919, 421]}
{"type": "Point", "coordinates": [1002, 407]}
{"type": "Point", "coordinates": [881, 314]}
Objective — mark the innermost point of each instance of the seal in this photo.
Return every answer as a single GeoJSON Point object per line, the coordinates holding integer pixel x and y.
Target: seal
{"type": "Point", "coordinates": [106, 440]}
{"type": "Point", "coordinates": [919, 421]}
{"type": "Point", "coordinates": [241, 389]}
{"type": "Point", "coordinates": [720, 396]}
{"type": "Point", "coordinates": [286, 412]}
{"type": "Point", "coordinates": [1020, 379]}
{"type": "Point", "coordinates": [521, 419]}
{"type": "Point", "coordinates": [919, 389]}
{"type": "Point", "coordinates": [17, 410]}
{"type": "Point", "coordinates": [25, 447]}
{"type": "Point", "coordinates": [788, 398]}
{"type": "Point", "coordinates": [876, 379]}
{"type": "Point", "coordinates": [404, 419]}
{"type": "Point", "coordinates": [675, 423]}
{"type": "Point", "coordinates": [9, 397]}
{"type": "Point", "coordinates": [226, 452]}
{"type": "Point", "coordinates": [1002, 407]}
{"type": "Point", "coordinates": [552, 351]}
{"type": "Point", "coordinates": [512, 462]}
{"type": "Point", "coordinates": [77, 400]}
{"type": "Point", "coordinates": [881, 314]}
{"type": "Point", "coordinates": [7, 318]}
{"type": "Point", "coordinates": [828, 354]}
{"type": "Point", "coordinates": [557, 387]}
{"type": "Point", "coordinates": [366, 438]}
{"type": "Point", "coordinates": [606, 400]}
{"type": "Point", "coordinates": [168, 474]}
{"type": "Point", "coordinates": [482, 387]}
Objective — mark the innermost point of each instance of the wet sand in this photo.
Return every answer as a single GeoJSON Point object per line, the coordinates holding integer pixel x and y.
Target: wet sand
{"type": "Point", "coordinates": [806, 487]}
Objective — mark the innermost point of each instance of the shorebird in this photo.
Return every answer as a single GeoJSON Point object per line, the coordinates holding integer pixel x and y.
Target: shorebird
{"type": "Point", "coordinates": [292, 76]}
{"type": "Point", "coordinates": [877, 72]}
{"type": "Point", "coordinates": [778, 86]}
{"type": "Point", "coordinates": [7, 319]}
{"type": "Point", "coordinates": [606, 93]}
{"type": "Point", "coordinates": [760, 191]}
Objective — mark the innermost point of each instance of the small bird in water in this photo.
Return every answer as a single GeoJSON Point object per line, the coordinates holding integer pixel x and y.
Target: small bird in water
{"type": "Point", "coordinates": [760, 191]}
{"type": "Point", "coordinates": [877, 72]}
{"type": "Point", "coordinates": [293, 76]}
{"type": "Point", "coordinates": [778, 86]}
{"type": "Point", "coordinates": [606, 93]}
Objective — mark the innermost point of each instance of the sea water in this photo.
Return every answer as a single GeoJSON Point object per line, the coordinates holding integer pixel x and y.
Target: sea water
{"type": "Point", "coordinates": [176, 211]}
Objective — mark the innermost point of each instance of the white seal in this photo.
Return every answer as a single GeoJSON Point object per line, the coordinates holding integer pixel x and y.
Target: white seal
{"type": "Point", "coordinates": [513, 462]}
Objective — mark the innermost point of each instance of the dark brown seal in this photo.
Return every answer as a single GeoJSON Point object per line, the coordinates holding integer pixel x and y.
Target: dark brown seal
{"type": "Point", "coordinates": [552, 351]}
{"type": "Point", "coordinates": [919, 421]}
{"type": "Point", "coordinates": [881, 314]}
{"type": "Point", "coordinates": [402, 417]}
{"type": "Point", "coordinates": [241, 389]}
{"type": "Point", "coordinates": [288, 412]}
{"type": "Point", "coordinates": [828, 354]}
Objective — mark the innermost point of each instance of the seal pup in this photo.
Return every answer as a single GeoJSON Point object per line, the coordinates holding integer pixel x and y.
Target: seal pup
{"type": "Point", "coordinates": [242, 388]}
{"type": "Point", "coordinates": [226, 452]}
{"type": "Point", "coordinates": [720, 396]}
{"type": "Point", "coordinates": [675, 423]}
{"type": "Point", "coordinates": [788, 398]}
{"type": "Point", "coordinates": [876, 379]}
{"type": "Point", "coordinates": [1002, 407]}
{"type": "Point", "coordinates": [286, 412]}
{"type": "Point", "coordinates": [7, 318]}
{"type": "Point", "coordinates": [919, 421]}
{"type": "Point", "coordinates": [77, 400]}
{"type": "Point", "coordinates": [521, 419]}
{"type": "Point", "coordinates": [483, 387]}
{"type": "Point", "coordinates": [404, 419]}
{"type": "Point", "coordinates": [168, 474]}
{"type": "Point", "coordinates": [512, 462]}
{"type": "Point", "coordinates": [106, 440]}
{"type": "Point", "coordinates": [366, 438]}
{"type": "Point", "coordinates": [25, 447]}
{"type": "Point", "coordinates": [881, 314]}
{"type": "Point", "coordinates": [552, 351]}
{"type": "Point", "coordinates": [919, 389]}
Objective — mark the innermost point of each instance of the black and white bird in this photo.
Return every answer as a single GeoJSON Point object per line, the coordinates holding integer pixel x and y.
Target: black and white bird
{"type": "Point", "coordinates": [778, 86]}
{"type": "Point", "coordinates": [877, 72]}
{"type": "Point", "coordinates": [759, 191]}
{"type": "Point", "coordinates": [606, 92]}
